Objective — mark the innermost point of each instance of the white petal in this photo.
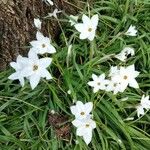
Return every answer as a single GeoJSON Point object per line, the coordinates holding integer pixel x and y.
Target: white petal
{"type": "Point", "coordinates": [80, 27]}
{"type": "Point", "coordinates": [94, 77]}
{"type": "Point", "coordinates": [51, 49]}
{"type": "Point", "coordinates": [92, 35]}
{"type": "Point", "coordinates": [140, 111]}
{"type": "Point", "coordinates": [84, 35]}
{"type": "Point", "coordinates": [34, 81]}
{"type": "Point", "coordinates": [39, 36]}
{"type": "Point", "coordinates": [88, 107]}
{"type": "Point", "coordinates": [134, 84]}
{"type": "Point", "coordinates": [14, 65]}
{"type": "Point", "coordinates": [45, 74]}
{"type": "Point", "coordinates": [86, 19]}
{"type": "Point", "coordinates": [80, 106]}
{"type": "Point", "coordinates": [37, 23]}
{"type": "Point", "coordinates": [94, 20]}
{"type": "Point", "coordinates": [93, 124]}
{"type": "Point", "coordinates": [88, 137]}
{"type": "Point", "coordinates": [95, 89]}
{"type": "Point", "coordinates": [91, 83]}
{"type": "Point", "coordinates": [73, 110]}
{"type": "Point", "coordinates": [21, 80]}
{"type": "Point", "coordinates": [33, 50]}
{"type": "Point", "coordinates": [102, 76]}
{"type": "Point", "coordinates": [34, 43]}
{"type": "Point", "coordinates": [80, 131]}
{"type": "Point", "coordinates": [14, 76]}
{"type": "Point", "coordinates": [45, 62]}
{"type": "Point", "coordinates": [50, 2]}
{"type": "Point", "coordinates": [77, 123]}
{"type": "Point", "coordinates": [32, 55]}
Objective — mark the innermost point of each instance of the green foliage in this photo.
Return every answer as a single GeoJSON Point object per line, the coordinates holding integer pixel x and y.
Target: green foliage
{"type": "Point", "coordinates": [24, 113]}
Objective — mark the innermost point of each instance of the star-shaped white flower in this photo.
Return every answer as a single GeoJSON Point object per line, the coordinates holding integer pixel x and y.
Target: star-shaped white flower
{"type": "Point", "coordinates": [42, 45]}
{"type": "Point", "coordinates": [37, 23]}
{"type": "Point", "coordinates": [36, 69]}
{"type": "Point", "coordinates": [73, 19]}
{"type": "Point", "coordinates": [82, 111]}
{"type": "Point", "coordinates": [20, 63]}
{"type": "Point", "coordinates": [131, 31]}
{"type": "Point", "coordinates": [126, 76]}
{"type": "Point", "coordinates": [88, 28]}
{"type": "Point", "coordinates": [84, 128]}
{"type": "Point", "coordinates": [98, 83]}
{"type": "Point", "coordinates": [49, 2]}
{"type": "Point", "coordinates": [122, 56]}
{"type": "Point", "coordinates": [54, 13]}
{"type": "Point", "coordinates": [145, 104]}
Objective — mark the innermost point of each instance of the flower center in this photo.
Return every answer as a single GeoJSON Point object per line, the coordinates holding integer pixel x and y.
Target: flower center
{"type": "Point", "coordinates": [90, 29]}
{"type": "Point", "coordinates": [125, 77]}
{"type": "Point", "coordinates": [82, 113]}
{"type": "Point", "coordinates": [115, 84]}
{"type": "Point", "coordinates": [35, 67]}
{"type": "Point", "coordinates": [43, 45]}
{"type": "Point", "coordinates": [98, 83]}
{"type": "Point", "coordinates": [87, 125]}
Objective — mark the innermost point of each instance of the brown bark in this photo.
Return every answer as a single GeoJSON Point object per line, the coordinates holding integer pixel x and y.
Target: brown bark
{"type": "Point", "coordinates": [17, 28]}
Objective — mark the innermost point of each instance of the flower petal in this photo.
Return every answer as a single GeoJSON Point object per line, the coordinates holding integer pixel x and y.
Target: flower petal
{"type": "Point", "coordinates": [86, 19]}
{"type": "Point", "coordinates": [79, 27]}
{"type": "Point", "coordinates": [87, 137]}
{"type": "Point", "coordinates": [45, 62]}
{"type": "Point", "coordinates": [34, 80]}
{"type": "Point", "coordinates": [94, 20]}
{"type": "Point", "coordinates": [39, 36]}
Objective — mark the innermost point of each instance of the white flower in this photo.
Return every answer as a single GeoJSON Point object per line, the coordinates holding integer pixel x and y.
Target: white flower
{"type": "Point", "coordinates": [131, 31]}
{"type": "Point", "coordinates": [113, 86]}
{"type": "Point", "coordinates": [98, 83]}
{"type": "Point", "coordinates": [113, 71]}
{"type": "Point", "coordinates": [54, 13]}
{"type": "Point", "coordinates": [37, 23]}
{"type": "Point", "coordinates": [18, 66]}
{"type": "Point", "coordinates": [125, 53]}
{"type": "Point", "coordinates": [145, 104]}
{"type": "Point", "coordinates": [81, 111]}
{"type": "Point", "coordinates": [73, 20]}
{"type": "Point", "coordinates": [42, 45]}
{"type": "Point", "coordinates": [49, 2]}
{"type": "Point", "coordinates": [84, 128]}
{"type": "Point", "coordinates": [88, 28]}
{"type": "Point", "coordinates": [36, 69]}
{"type": "Point", "coordinates": [126, 76]}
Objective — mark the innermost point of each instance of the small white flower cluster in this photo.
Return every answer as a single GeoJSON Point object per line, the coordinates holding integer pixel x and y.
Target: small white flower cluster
{"type": "Point", "coordinates": [33, 67]}
{"type": "Point", "coordinates": [83, 120]}
{"type": "Point", "coordinates": [120, 78]}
